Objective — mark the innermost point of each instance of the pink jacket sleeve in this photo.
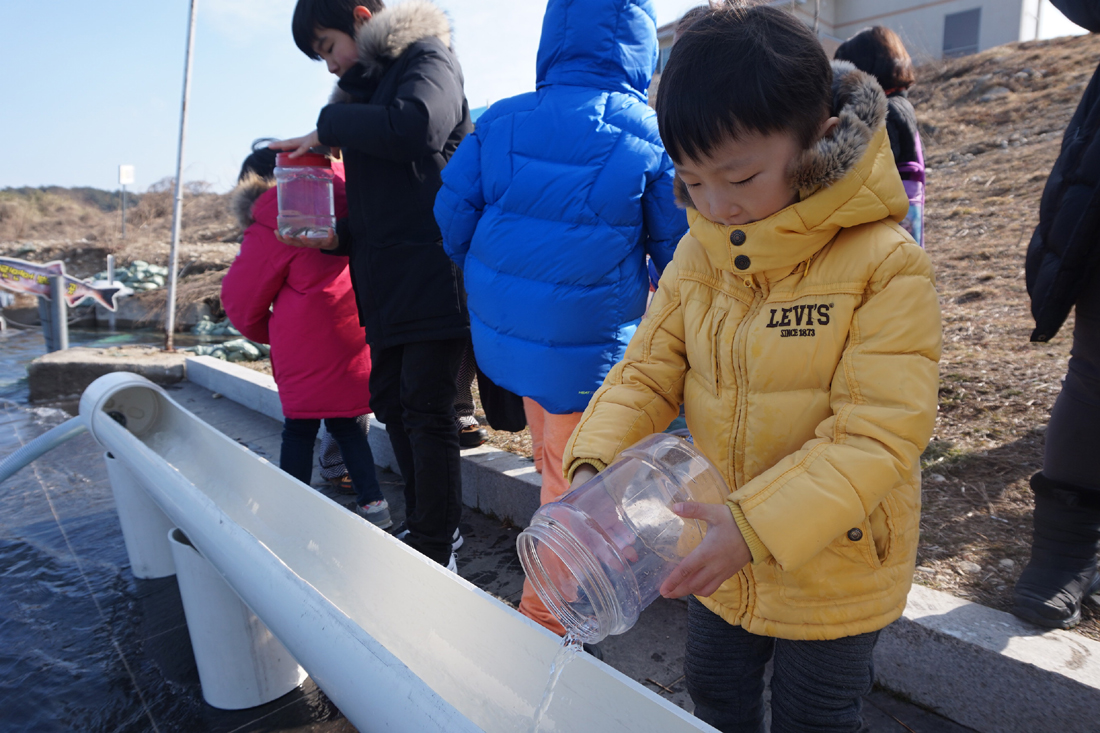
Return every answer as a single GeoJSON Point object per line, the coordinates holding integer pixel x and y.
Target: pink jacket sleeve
{"type": "Point", "coordinates": [253, 281]}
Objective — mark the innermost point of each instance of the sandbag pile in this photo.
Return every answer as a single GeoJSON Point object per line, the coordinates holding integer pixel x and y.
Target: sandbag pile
{"type": "Point", "coordinates": [140, 275]}
{"type": "Point", "coordinates": [238, 349]}
{"type": "Point", "coordinates": [209, 327]}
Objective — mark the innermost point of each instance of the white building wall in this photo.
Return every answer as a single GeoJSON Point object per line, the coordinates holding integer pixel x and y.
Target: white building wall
{"type": "Point", "coordinates": [920, 25]}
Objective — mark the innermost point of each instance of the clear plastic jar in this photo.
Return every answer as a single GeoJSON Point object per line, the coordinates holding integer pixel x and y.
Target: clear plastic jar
{"type": "Point", "coordinates": [598, 556]}
{"type": "Point", "coordinates": [306, 207]}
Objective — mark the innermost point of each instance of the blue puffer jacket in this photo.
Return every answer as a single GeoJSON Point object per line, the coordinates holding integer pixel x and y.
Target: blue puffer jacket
{"type": "Point", "coordinates": [552, 203]}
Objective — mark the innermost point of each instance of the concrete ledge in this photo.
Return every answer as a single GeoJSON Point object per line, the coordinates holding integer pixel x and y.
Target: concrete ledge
{"type": "Point", "coordinates": [979, 667]}
{"type": "Point", "coordinates": [988, 669]}
{"type": "Point", "coordinates": [66, 374]}
{"type": "Point", "coordinates": [494, 482]}
{"type": "Point", "coordinates": [244, 386]}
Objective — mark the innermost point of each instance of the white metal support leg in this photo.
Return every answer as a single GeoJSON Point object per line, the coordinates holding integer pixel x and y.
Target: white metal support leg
{"type": "Point", "coordinates": [144, 526]}
{"type": "Point", "coordinates": [241, 663]}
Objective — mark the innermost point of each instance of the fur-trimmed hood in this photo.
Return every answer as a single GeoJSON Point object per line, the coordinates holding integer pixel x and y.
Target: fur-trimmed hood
{"type": "Point", "coordinates": [860, 106]}
{"type": "Point", "coordinates": [846, 179]}
{"type": "Point", "coordinates": [391, 31]}
{"type": "Point", "coordinates": [244, 196]}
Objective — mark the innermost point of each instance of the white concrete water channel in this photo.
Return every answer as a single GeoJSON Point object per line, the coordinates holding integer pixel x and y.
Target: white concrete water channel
{"type": "Point", "coordinates": [397, 642]}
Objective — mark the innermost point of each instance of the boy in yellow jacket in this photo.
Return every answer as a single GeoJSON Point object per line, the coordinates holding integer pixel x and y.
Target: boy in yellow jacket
{"type": "Point", "coordinates": [799, 325]}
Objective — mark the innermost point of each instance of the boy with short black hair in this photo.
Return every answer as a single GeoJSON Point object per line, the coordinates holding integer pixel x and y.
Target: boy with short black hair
{"type": "Point", "coordinates": [398, 115]}
{"type": "Point", "coordinates": [799, 326]}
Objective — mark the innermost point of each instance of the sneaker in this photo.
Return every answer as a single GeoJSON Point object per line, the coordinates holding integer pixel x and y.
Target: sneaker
{"type": "Point", "coordinates": [472, 436]}
{"type": "Point", "coordinates": [456, 542]}
{"type": "Point", "coordinates": [342, 485]}
{"type": "Point", "coordinates": [452, 564]}
{"type": "Point", "coordinates": [377, 513]}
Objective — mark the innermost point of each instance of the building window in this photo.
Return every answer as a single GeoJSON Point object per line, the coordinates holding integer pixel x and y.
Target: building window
{"type": "Point", "coordinates": [960, 33]}
{"type": "Point", "coordinates": [662, 59]}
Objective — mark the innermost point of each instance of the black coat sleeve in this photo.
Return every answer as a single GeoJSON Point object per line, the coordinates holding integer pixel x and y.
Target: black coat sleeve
{"type": "Point", "coordinates": [425, 110]}
{"type": "Point", "coordinates": [1065, 249]}
{"type": "Point", "coordinates": [1085, 13]}
{"type": "Point", "coordinates": [343, 239]}
{"type": "Point", "coordinates": [893, 131]}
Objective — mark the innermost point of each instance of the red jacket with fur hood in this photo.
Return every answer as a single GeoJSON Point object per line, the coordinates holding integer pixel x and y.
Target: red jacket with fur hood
{"type": "Point", "coordinates": [301, 302]}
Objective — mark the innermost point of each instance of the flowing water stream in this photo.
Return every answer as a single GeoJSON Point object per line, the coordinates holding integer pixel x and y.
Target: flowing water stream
{"type": "Point", "coordinates": [570, 647]}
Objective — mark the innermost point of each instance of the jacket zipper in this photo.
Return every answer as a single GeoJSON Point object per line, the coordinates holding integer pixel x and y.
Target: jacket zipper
{"type": "Point", "coordinates": [739, 350]}
{"type": "Point", "coordinates": [740, 358]}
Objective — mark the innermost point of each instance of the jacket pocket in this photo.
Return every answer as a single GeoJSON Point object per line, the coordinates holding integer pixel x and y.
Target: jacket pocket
{"type": "Point", "coordinates": [704, 345]}
{"type": "Point", "coordinates": [881, 526]}
{"type": "Point", "coordinates": [849, 569]}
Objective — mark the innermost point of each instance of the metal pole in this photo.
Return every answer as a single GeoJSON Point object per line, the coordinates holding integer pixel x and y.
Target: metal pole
{"type": "Point", "coordinates": [60, 315]}
{"type": "Point", "coordinates": [111, 320]}
{"type": "Point", "coordinates": [124, 211]}
{"type": "Point", "coordinates": [45, 319]}
{"type": "Point", "coordinates": [177, 211]}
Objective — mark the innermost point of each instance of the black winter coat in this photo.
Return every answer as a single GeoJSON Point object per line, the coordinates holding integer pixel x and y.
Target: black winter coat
{"type": "Point", "coordinates": [1065, 248]}
{"type": "Point", "coordinates": [398, 116]}
{"type": "Point", "coordinates": [901, 127]}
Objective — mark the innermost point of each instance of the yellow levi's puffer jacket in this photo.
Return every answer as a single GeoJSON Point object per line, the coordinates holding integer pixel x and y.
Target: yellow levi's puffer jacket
{"type": "Point", "coordinates": [805, 348]}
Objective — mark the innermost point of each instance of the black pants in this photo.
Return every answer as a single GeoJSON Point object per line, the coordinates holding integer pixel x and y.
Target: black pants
{"type": "Point", "coordinates": [413, 391]}
{"type": "Point", "coordinates": [467, 371]}
{"type": "Point", "coordinates": [296, 456]}
{"type": "Point", "coordinates": [816, 685]}
{"type": "Point", "coordinates": [1073, 434]}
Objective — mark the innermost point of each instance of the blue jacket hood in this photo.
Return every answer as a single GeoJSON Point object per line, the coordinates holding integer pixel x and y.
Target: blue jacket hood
{"type": "Point", "coordinates": [601, 44]}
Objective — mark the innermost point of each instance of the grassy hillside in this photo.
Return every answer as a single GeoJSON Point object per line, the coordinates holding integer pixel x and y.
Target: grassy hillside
{"type": "Point", "coordinates": [992, 125]}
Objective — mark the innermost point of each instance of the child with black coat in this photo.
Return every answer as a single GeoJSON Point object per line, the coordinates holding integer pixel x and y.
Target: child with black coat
{"type": "Point", "coordinates": [398, 115]}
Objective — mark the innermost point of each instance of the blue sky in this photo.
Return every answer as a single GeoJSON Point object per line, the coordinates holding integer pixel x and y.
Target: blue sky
{"type": "Point", "coordinates": [90, 85]}
{"type": "Point", "coordinates": [87, 86]}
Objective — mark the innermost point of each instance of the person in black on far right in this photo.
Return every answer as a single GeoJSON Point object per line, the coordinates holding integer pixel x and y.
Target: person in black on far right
{"type": "Point", "coordinates": [1063, 273]}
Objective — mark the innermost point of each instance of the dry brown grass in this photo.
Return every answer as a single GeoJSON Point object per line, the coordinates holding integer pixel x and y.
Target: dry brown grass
{"type": "Point", "coordinates": [988, 161]}
{"type": "Point", "coordinates": [42, 226]}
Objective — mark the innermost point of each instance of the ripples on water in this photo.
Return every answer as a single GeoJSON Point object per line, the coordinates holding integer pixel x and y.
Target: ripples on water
{"type": "Point", "coordinates": [83, 645]}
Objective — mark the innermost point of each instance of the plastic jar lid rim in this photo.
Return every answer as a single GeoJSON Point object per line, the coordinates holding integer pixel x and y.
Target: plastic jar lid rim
{"type": "Point", "coordinates": [566, 548]}
{"type": "Point", "coordinates": [311, 160]}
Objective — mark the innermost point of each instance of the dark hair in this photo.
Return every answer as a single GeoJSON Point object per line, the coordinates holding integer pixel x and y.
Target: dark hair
{"type": "Point", "coordinates": [311, 15]}
{"type": "Point", "coordinates": [880, 53]}
{"type": "Point", "coordinates": [738, 70]}
{"type": "Point", "coordinates": [689, 18]}
{"type": "Point", "coordinates": [261, 161]}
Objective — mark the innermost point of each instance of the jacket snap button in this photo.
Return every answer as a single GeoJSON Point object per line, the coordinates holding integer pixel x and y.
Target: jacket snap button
{"type": "Point", "coordinates": [855, 534]}
{"type": "Point", "coordinates": [737, 237]}
{"type": "Point", "coordinates": [742, 262]}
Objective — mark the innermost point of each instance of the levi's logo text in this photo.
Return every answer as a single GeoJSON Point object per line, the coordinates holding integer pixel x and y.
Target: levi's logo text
{"type": "Point", "coordinates": [799, 320]}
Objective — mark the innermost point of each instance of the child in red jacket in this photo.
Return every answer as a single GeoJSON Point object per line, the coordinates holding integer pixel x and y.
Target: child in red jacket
{"type": "Point", "coordinates": [301, 302]}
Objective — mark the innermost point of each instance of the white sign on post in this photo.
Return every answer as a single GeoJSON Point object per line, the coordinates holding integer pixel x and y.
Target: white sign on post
{"type": "Point", "coordinates": [125, 175]}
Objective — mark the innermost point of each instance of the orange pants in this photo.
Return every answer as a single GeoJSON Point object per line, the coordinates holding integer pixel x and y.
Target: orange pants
{"type": "Point", "coordinates": [549, 435]}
